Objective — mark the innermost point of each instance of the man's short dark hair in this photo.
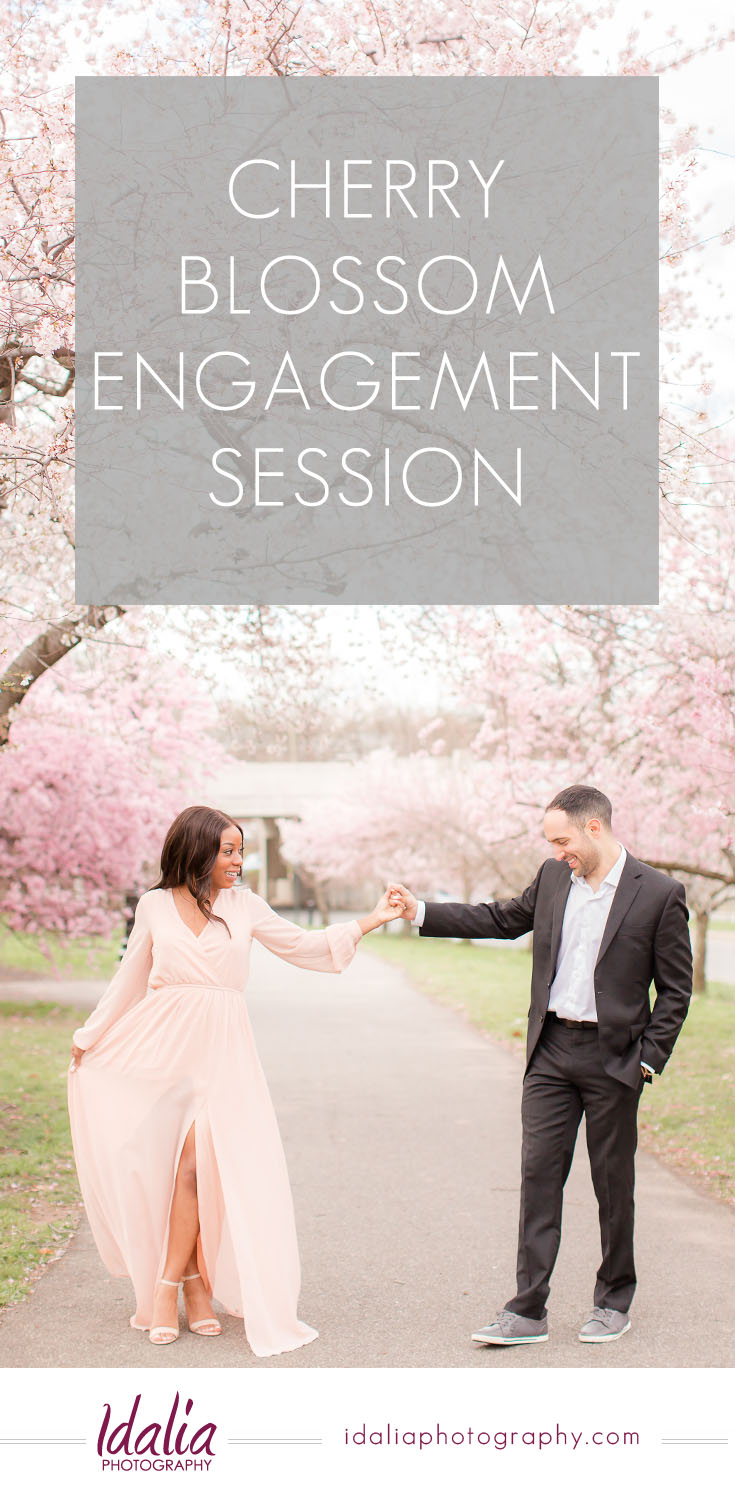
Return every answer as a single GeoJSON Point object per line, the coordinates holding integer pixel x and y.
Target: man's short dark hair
{"type": "Point", "coordinates": [580, 803]}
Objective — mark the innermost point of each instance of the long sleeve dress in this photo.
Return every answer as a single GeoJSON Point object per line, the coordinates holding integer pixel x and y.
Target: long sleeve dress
{"type": "Point", "coordinates": [170, 1045]}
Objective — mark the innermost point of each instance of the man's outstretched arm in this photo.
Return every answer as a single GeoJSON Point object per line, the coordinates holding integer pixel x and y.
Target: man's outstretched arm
{"type": "Point", "coordinates": [488, 919]}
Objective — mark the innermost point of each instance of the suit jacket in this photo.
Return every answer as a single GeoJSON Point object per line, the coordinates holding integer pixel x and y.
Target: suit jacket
{"type": "Point", "coordinates": [646, 938]}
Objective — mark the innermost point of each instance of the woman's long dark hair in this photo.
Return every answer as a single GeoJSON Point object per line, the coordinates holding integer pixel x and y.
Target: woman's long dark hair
{"type": "Point", "coordinates": [189, 854]}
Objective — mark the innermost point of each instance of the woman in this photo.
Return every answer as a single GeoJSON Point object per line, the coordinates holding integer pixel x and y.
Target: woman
{"type": "Point", "coordinates": [176, 1143]}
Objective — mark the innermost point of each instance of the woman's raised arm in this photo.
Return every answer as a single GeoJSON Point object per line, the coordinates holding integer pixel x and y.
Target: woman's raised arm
{"type": "Point", "coordinates": [330, 949]}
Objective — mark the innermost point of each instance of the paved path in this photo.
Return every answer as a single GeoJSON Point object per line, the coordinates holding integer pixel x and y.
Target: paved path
{"type": "Point", "coordinates": [401, 1128]}
{"type": "Point", "coordinates": [80, 992]}
{"type": "Point", "coordinates": [721, 957]}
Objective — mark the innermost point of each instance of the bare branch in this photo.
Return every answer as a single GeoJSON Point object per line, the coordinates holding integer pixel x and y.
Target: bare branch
{"type": "Point", "coordinates": [676, 867]}
{"type": "Point", "coordinates": [45, 651]}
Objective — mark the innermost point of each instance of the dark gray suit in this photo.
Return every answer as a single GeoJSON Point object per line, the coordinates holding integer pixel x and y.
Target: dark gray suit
{"type": "Point", "coordinates": [591, 1071]}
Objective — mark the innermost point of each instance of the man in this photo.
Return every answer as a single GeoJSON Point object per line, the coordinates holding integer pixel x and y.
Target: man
{"type": "Point", "coordinates": [604, 926]}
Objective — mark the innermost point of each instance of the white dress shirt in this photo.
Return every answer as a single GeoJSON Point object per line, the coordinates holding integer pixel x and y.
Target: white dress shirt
{"type": "Point", "coordinates": [572, 993]}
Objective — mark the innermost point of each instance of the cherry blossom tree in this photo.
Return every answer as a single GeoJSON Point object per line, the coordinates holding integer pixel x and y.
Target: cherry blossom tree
{"type": "Point", "coordinates": [39, 621]}
{"type": "Point", "coordinates": [205, 37]}
{"type": "Point", "coordinates": [88, 785]}
{"type": "Point", "coordinates": [431, 821]}
{"type": "Point", "coordinates": [642, 699]}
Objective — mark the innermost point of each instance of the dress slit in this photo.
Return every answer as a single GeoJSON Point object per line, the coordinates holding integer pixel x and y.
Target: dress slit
{"type": "Point", "coordinates": [177, 1163]}
{"type": "Point", "coordinates": [164, 1250]}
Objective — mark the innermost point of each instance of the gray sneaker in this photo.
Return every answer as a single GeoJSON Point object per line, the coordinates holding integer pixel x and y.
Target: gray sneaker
{"type": "Point", "coordinates": [511, 1328]}
{"type": "Point", "coordinates": [603, 1325]}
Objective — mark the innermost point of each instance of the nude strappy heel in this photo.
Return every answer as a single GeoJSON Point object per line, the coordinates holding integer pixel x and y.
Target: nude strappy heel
{"type": "Point", "coordinates": [207, 1327]}
{"type": "Point", "coordinates": [161, 1327]}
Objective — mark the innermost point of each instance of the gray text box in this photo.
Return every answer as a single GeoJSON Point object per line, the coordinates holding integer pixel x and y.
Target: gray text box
{"type": "Point", "coordinates": [444, 232]}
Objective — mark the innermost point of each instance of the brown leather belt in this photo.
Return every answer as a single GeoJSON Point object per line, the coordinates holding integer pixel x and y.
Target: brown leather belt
{"type": "Point", "coordinates": [566, 1021]}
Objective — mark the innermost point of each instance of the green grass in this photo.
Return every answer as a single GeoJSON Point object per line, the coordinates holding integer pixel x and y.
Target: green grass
{"type": "Point", "coordinates": [39, 1194]}
{"type": "Point", "coordinates": [491, 986]}
{"type": "Point", "coordinates": [686, 1117]}
{"type": "Point", "coordinates": [690, 1119]}
{"type": "Point", "coordinates": [49, 953]}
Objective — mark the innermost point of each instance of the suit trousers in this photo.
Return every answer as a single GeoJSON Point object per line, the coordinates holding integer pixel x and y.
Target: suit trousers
{"type": "Point", "coordinates": [565, 1079]}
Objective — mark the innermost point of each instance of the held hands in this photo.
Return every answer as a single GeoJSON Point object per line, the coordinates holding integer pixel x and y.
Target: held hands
{"type": "Point", "coordinates": [390, 906]}
{"type": "Point", "coordinates": [400, 893]}
{"type": "Point", "coordinates": [77, 1053]}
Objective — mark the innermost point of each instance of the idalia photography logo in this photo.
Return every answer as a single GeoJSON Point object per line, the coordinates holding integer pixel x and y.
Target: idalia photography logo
{"type": "Point", "coordinates": [137, 1442]}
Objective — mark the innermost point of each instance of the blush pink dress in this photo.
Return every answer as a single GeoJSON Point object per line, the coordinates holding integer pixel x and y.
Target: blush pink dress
{"type": "Point", "coordinates": [170, 1045]}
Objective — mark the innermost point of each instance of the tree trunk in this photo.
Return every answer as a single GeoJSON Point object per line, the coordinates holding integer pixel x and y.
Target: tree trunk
{"type": "Point", "coordinates": [320, 896]}
{"type": "Point", "coordinates": [701, 923]}
{"type": "Point", "coordinates": [467, 897]}
{"type": "Point", "coordinates": [45, 651]}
